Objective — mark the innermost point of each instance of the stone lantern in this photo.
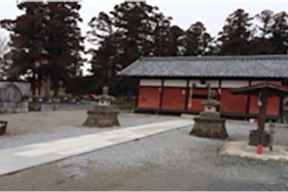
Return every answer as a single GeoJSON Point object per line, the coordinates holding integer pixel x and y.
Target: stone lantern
{"type": "Point", "coordinates": [209, 124]}
{"type": "Point", "coordinates": [103, 114]}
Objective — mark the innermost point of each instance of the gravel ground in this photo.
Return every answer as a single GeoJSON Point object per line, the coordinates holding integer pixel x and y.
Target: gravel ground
{"type": "Point", "coordinates": [35, 127]}
{"type": "Point", "coordinates": [173, 160]}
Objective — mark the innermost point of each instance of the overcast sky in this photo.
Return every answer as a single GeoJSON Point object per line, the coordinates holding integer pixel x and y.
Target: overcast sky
{"type": "Point", "coordinates": [184, 12]}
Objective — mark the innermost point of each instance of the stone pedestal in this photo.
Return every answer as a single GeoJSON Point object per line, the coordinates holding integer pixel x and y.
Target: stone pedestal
{"type": "Point", "coordinates": [209, 128]}
{"type": "Point", "coordinates": [254, 138]}
{"type": "Point", "coordinates": [209, 124]}
{"type": "Point", "coordinates": [102, 116]}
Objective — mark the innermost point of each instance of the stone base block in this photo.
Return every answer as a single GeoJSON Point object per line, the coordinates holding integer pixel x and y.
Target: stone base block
{"type": "Point", "coordinates": [209, 128]}
{"type": "Point", "coordinates": [101, 119]}
{"type": "Point", "coordinates": [254, 138]}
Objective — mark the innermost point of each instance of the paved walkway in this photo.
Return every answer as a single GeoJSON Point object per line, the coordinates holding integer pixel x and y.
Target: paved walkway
{"type": "Point", "coordinates": [19, 158]}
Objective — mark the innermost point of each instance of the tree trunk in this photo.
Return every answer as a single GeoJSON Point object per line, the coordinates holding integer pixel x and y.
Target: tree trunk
{"type": "Point", "coordinates": [33, 85]}
{"type": "Point", "coordinates": [39, 86]}
{"type": "Point", "coordinates": [56, 90]}
{"type": "Point", "coordinates": [48, 87]}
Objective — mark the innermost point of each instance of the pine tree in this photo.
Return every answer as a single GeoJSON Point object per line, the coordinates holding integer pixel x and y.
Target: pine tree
{"type": "Point", "coordinates": [129, 31]}
{"type": "Point", "coordinates": [279, 31]}
{"type": "Point", "coordinates": [272, 37]}
{"type": "Point", "coordinates": [197, 40]}
{"type": "Point", "coordinates": [5, 59]}
{"type": "Point", "coordinates": [46, 42]}
{"type": "Point", "coordinates": [236, 34]}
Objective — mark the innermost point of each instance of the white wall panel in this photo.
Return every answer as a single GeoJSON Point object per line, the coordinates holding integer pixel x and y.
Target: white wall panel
{"type": "Point", "coordinates": [150, 82]}
{"type": "Point", "coordinates": [256, 82]}
{"type": "Point", "coordinates": [213, 83]}
{"type": "Point", "coordinates": [234, 83]}
{"type": "Point", "coordinates": [175, 83]}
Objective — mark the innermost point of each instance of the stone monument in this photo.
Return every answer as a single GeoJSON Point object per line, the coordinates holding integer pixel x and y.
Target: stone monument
{"type": "Point", "coordinates": [209, 124]}
{"type": "Point", "coordinates": [103, 114]}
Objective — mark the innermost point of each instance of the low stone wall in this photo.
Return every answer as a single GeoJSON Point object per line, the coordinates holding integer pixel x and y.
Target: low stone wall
{"type": "Point", "coordinates": [13, 107]}
{"type": "Point", "coordinates": [61, 106]}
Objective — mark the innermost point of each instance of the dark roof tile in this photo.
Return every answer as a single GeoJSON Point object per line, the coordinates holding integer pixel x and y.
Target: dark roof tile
{"type": "Point", "coordinates": [268, 66]}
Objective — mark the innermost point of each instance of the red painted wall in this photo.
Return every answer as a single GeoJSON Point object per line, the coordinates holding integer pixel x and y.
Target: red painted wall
{"type": "Point", "coordinates": [195, 104]}
{"type": "Point", "coordinates": [149, 97]}
{"type": "Point", "coordinates": [232, 103]}
{"type": "Point", "coordinates": [173, 98]}
{"type": "Point", "coordinates": [194, 101]}
{"type": "Point", "coordinates": [273, 104]}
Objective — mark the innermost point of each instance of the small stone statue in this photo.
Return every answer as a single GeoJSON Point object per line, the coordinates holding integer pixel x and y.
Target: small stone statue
{"type": "Point", "coordinates": [103, 114]}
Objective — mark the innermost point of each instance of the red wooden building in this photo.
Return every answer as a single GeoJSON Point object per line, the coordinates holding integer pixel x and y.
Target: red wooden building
{"type": "Point", "coordinates": [179, 84]}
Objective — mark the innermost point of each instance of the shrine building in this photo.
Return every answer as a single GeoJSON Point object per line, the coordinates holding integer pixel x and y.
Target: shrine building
{"type": "Point", "coordinates": [179, 84]}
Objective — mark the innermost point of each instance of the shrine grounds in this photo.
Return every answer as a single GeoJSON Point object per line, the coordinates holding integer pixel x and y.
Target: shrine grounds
{"type": "Point", "coordinates": [172, 160]}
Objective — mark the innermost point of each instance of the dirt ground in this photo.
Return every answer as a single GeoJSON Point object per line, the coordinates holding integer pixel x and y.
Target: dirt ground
{"type": "Point", "coordinates": [19, 123]}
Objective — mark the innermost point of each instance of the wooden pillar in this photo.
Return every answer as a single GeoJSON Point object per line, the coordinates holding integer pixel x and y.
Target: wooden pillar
{"type": "Point", "coordinates": [187, 95]}
{"type": "Point", "coordinates": [137, 95]}
{"type": "Point", "coordinates": [219, 97]}
{"type": "Point", "coordinates": [262, 114]}
{"type": "Point", "coordinates": [248, 101]}
{"type": "Point", "coordinates": [161, 94]}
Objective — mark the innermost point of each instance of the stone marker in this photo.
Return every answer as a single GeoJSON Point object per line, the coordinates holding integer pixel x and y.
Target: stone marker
{"type": "Point", "coordinates": [3, 127]}
{"type": "Point", "coordinates": [209, 124]}
{"type": "Point", "coordinates": [103, 114]}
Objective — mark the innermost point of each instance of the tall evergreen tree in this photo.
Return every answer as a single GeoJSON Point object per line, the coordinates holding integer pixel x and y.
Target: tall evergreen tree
{"type": "Point", "coordinates": [261, 42]}
{"type": "Point", "coordinates": [197, 40]}
{"type": "Point", "coordinates": [273, 33]}
{"type": "Point", "coordinates": [236, 33]}
{"type": "Point", "coordinates": [279, 31]}
{"type": "Point", "coordinates": [176, 41]}
{"type": "Point", "coordinates": [129, 31]}
{"type": "Point", "coordinates": [46, 42]}
{"type": "Point", "coordinates": [5, 60]}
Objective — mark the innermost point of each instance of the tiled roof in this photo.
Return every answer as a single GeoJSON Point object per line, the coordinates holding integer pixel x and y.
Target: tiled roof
{"type": "Point", "coordinates": [274, 89]}
{"type": "Point", "coordinates": [264, 66]}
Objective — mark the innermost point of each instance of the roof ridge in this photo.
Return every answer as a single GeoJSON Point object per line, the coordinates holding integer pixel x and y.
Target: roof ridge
{"type": "Point", "coordinates": [130, 67]}
{"type": "Point", "coordinates": [220, 57]}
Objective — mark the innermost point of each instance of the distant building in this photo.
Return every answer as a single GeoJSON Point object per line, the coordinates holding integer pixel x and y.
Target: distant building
{"type": "Point", "coordinates": [14, 91]}
{"type": "Point", "coordinates": [40, 88]}
{"type": "Point", "coordinates": [179, 84]}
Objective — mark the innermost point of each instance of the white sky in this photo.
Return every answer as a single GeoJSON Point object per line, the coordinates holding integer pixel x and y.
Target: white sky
{"type": "Point", "coordinates": [184, 12]}
{"type": "Point", "coordinates": [212, 13]}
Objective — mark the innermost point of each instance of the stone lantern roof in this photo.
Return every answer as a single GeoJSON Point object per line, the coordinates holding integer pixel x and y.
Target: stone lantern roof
{"type": "Point", "coordinates": [105, 95]}
{"type": "Point", "coordinates": [211, 102]}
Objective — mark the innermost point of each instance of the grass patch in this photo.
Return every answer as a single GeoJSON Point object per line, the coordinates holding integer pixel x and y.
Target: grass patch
{"type": "Point", "coordinates": [125, 105]}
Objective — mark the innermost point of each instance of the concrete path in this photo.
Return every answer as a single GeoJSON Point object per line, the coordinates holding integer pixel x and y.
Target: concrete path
{"type": "Point", "coordinates": [19, 158]}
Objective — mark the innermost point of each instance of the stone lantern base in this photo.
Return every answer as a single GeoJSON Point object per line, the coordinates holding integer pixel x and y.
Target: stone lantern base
{"type": "Point", "coordinates": [209, 128]}
{"type": "Point", "coordinates": [102, 116]}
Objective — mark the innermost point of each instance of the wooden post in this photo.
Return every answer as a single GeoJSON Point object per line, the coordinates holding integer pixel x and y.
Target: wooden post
{"type": "Point", "coordinates": [186, 96]}
{"type": "Point", "coordinates": [137, 95]}
{"type": "Point", "coordinates": [161, 95]}
{"type": "Point", "coordinates": [248, 98]}
{"type": "Point", "coordinates": [262, 118]}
